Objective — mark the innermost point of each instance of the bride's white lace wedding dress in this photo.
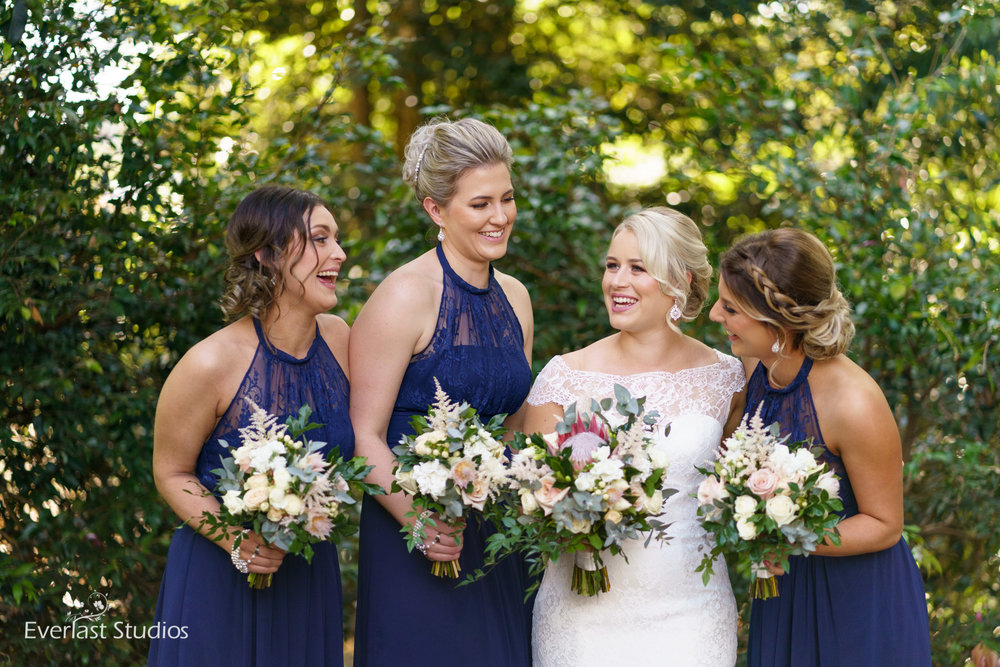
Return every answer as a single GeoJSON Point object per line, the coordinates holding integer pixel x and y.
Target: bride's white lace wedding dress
{"type": "Point", "coordinates": [657, 612]}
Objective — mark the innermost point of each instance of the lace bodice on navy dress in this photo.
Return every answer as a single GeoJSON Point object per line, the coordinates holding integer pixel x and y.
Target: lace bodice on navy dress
{"type": "Point", "coordinates": [864, 610]}
{"type": "Point", "coordinates": [477, 354]}
{"type": "Point", "coordinates": [298, 620]}
{"type": "Point", "coordinates": [281, 384]}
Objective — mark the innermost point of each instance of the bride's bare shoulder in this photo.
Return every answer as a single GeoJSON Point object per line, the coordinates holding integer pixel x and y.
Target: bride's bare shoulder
{"type": "Point", "coordinates": [590, 357]}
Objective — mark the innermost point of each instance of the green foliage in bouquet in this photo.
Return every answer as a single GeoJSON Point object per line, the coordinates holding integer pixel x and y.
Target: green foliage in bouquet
{"type": "Point", "coordinates": [450, 463]}
{"type": "Point", "coordinates": [280, 485]}
{"type": "Point", "coordinates": [584, 490]}
{"type": "Point", "coordinates": [765, 498]}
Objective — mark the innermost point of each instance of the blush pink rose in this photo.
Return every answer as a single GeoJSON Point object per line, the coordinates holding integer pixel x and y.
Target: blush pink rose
{"type": "Point", "coordinates": [710, 490]}
{"type": "Point", "coordinates": [548, 495]}
{"type": "Point", "coordinates": [762, 483]}
{"type": "Point", "coordinates": [477, 496]}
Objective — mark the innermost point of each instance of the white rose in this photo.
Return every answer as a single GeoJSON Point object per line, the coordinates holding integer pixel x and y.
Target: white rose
{"type": "Point", "coordinates": [828, 482]}
{"type": "Point", "coordinates": [745, 506]}
{"type": "Point", "coordinates": [282, 478]}
{"type": "Point", "coordinates": [233, 502]}
{"type": "Point", "coordinates": [254, 498]}
{"type": "Point", "coordinates": [276, 497]}
{"type": "Point", "coordinates": [653, 504]}
{"type": "Point", "coordinates": [579, 526]}
{"type": "Point", "coordinates": [781, 509]}
{"type": "Point", "coordinates": [275, 514]}
{"type": "Point", "coordinates": [805, 462]}
{"type": "Point", "coordinates": [294, 505]}
{"type": "Point", "coordinates": [614, 516]}
{"type": "Point", "coordinates": [406, 481]}
{"type": "Point", "coordinates": [528, 502]}
{"type": "Point", "coordinates": [256, 482]}
{"type": "Point", "coordinates": [747, 530]}
{"type": "Point", "coordinates": [425, 441]}
{"type": "Point", "coordinates": [658, 459]}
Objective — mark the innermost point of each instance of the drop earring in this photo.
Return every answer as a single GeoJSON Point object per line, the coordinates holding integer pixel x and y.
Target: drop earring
{"type": "Point", "coordinates": [776, 348]}
{"type": "Point", "coordinates": [440, 235]}
{"type": "Point", "coordinates": [675, 313]}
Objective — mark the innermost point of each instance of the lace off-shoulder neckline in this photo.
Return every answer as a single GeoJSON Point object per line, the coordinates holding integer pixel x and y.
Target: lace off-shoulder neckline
{"type": "Point", "coordinates": [720, 359]}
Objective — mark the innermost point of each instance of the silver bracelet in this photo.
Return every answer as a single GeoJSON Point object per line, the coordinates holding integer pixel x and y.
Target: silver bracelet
{"type": "Point", "coordinates": [242, 566]}
{"type": "Point", "coordinates": [418, 525]}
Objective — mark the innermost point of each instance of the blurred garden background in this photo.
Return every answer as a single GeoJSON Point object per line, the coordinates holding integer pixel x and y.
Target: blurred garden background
{"type": "Point", "coordinates": [130, 129]}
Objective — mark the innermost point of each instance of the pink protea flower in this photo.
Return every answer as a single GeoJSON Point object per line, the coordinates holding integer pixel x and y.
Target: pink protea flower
{"type": "Point", "coordinates": [318, 524]}
{"type": "Point", "coordinates": [583, 439]}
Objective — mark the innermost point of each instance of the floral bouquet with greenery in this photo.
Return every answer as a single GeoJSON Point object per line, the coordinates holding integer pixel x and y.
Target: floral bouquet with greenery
{"type": "Point", "coordinates": [450, 464]}
{"type": "Point", "coordinates": [280, 485]}
{"type": "Point", "coordinates": [586, 489]}
{"type": "Point", "coordinates": [766, 499]}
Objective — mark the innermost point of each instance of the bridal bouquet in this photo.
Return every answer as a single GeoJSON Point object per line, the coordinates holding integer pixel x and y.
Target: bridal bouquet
{"type": "Point", "coordinates": [766, 499]}
{"type": "Point", "coordinates": [588, 488]}
{"type": "Point", "coordinates": [280, 485]}
{"type": "Point", "coordinates": [451, 463]}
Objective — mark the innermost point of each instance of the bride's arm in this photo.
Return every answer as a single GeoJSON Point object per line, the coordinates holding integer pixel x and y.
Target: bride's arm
{"type": "Point", "coordinates": [542, 418]}
{"type": "Point", "coordinates": [736, 406]}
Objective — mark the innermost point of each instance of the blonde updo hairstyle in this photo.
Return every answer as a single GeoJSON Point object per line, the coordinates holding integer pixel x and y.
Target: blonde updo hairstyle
{"type": "Point", "coordinates": [268, 221]}
{"type": "Point", "coordinates": [785, 278]}
{"type": "Point", "coordinates": [442, 150]}
{"type": "Point", "coordinates": [671, 245]}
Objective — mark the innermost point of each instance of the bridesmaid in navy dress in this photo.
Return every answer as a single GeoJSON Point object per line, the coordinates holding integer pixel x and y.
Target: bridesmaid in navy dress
{"type": "Point", "coordinates": [283, 351]}
{"type": "Point", "coordinates": [447, 315]}
{"type": "Point", "coordinates": [860, 603]}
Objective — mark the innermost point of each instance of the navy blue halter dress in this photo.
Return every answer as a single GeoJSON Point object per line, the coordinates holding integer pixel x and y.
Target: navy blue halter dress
{"type": "Point", "coordinates": [298, 619]}
{"type": "Point", "coordinates": [407, 616]}
{"type": "Point", "coordinates": [867, 610]}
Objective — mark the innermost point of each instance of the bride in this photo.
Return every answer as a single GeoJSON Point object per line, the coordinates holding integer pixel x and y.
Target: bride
{"type": "Point", "coordinates": [658, 611]}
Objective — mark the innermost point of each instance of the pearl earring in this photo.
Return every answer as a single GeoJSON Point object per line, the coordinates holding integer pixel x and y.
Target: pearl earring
{"type": "Point", "coordinates": [675, 312]}
{"type": "Point", "coordinates": [776, 348]}
{"type": "Point", "coordinates": [440, 235]}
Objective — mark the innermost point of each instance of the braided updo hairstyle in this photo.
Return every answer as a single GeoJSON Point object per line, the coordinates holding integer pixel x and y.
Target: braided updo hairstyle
{"type": "Point", "coordinates": [440, 151]}
{"type": "Point", "coordinates": [785, 277]}
{"type": "Point", "coordinates": [267, 221]}
{"type": "Point", "coordinates": [671, 245]}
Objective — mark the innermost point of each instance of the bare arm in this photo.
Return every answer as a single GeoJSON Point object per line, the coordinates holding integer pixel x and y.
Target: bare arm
{"type": "Point", "coordinates": [336, 334]}
{"type": "Point", "coordinates": [520, 301]}
{"type": "Point", "coordinates": [391, 327]}
{"type": "Point", "coordinates": [184, 420]}
{"type": "Point", "coordinates": [542, 418]}
{"type": "Point", "coordinates": [736, 406]}
{"type": "Point", "coordinates": [858, 425]}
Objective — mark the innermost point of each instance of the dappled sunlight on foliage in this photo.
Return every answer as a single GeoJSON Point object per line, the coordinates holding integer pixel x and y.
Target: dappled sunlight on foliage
{"type": "Point", "coordinates": [128, 134]}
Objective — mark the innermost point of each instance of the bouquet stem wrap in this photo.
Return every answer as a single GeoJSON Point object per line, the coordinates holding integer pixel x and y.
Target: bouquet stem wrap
{"type": "Point", "coordinates": [764, 587]}
{"type": "Point", "coordinates": [259, 581]}
{"type": "Point", "coordinates": [450, 465]}
{"type": "Point", "coordinates": [446, 569]}
{"type": "Point", "coordinates": [765, 499]}
{"type": "Point", "coordinates": [590, 577]}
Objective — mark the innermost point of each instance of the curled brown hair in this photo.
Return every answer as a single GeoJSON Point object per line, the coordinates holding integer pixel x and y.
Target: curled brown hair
{"type": "Point", "coordinates": [264, 224]}
{"type": "Point", "coordinates": [785, 278]}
